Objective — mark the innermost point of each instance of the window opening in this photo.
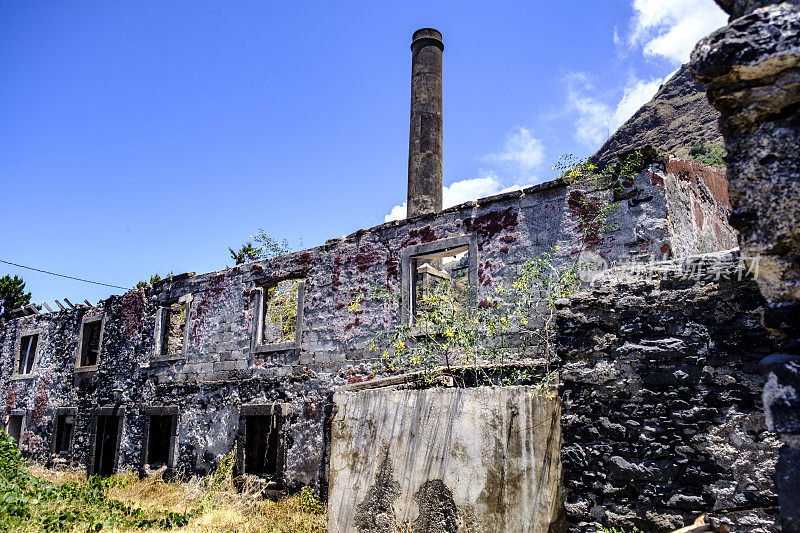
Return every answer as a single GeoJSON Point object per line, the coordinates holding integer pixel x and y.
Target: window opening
{"type": "Point", "coordinates": [91, 343]}
{"type": "Point", "coordinates": [430, 270]}
{"type": "Point", "coordinates": [263, 453]}
{"type": "Point", "coordinates": [64, 426]}
{"type": "Point", "coordinates": [14, 427]}
{"type": "Point", "coordinates": [280, 312]}
{"type": "Point", "coordinates": [174, 324]}
{"type": "Point", "coordinates": [159, 440]}
{"type": "Point", "coordinates": [27, 353]}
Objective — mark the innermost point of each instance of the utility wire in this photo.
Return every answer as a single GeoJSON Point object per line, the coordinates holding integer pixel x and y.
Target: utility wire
{"type": "Point", "coordinates": [64, 275]}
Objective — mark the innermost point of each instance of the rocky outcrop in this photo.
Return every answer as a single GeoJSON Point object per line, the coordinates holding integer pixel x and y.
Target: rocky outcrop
{"type": "Point", "coordinates": [677, 118]}
{"type": "Point", "coordinates": [752, 70]}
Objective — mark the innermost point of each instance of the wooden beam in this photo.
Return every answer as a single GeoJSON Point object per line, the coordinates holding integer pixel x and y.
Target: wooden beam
{"type": "Point", "coordinates": [59, 305]}
{"type": "Point", "coordinates": [47, 307]}
{"type": "Point", "coordinates": [72, 305]}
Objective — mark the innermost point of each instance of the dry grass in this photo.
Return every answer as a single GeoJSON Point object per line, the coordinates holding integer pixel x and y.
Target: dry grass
{"type": "Point", "coordinates": [222, 510]}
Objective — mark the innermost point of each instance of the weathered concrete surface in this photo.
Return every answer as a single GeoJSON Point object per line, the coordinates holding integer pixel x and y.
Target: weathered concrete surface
{"type": "Point", "coordinates": [444, 460]}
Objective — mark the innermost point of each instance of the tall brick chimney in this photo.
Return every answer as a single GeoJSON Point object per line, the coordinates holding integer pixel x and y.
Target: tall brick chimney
{"type": "Point", "coordinates": [425, 138]}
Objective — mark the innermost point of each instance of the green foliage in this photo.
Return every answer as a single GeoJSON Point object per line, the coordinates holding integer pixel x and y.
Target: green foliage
{"type": "Point", "coordinates": [711, 154]}
{"type": "Point", "coordinates": [222, 474]}
{"type": "Point", "coordinates": [309, 503]}
{"type": "Point", "coordinates": [265, 247]}
{"type": "Point", "coordinates": [12, 295]}
{"type": "Point", "coordinates": [281, 309]}
{"type": "Point", "coordinates": [28, 503]}
{"type": "Point", "coordinates": [155, 278]}
{"type": "Point", "coordinates": [515, 323]}
{"type": "Point", "coordinates": [592, 210]}
{"type": "Point", "coordinates": [584, 171]}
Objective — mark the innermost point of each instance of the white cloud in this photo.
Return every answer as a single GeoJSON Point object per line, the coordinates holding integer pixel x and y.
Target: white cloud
{"type": "Point", "coordinates": [398, 212]}
{"type": "Point", "coordinates": [670, 29]}
{"type": "Point", "coordinates": [520, 155]}
{"type": "Point", "coordinates": [461, 191]}
{"type": "Point", "coordinates": [521, 151]}
{"type": "Point", "coordinates": [597, 120]}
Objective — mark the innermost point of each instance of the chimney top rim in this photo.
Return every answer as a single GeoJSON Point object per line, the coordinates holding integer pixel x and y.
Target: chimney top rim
{"type": "Point", "coordinates": [432, 35]}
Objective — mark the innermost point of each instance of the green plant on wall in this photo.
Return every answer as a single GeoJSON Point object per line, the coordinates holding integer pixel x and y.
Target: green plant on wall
{"type": "Point", "coordinates": [590, 205]}
{"type": "Point", "coordinates": [265, 247]}
{"type": "Point", "coordinates": [515, 322]}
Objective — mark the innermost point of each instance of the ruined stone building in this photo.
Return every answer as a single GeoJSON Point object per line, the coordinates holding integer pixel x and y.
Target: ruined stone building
{"type": "Point", "coordinates": [659, 413]}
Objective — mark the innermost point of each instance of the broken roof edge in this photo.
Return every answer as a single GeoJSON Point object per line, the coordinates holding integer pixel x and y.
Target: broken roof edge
{"type": "Point", "coordinates": [670, 162]}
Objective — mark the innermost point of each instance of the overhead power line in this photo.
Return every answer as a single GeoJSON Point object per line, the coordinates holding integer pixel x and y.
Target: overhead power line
{"type": "Point", "coordinates": [64, 275]}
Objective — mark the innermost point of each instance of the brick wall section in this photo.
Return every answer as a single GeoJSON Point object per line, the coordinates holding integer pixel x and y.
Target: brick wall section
{"type": "Point", "coordinates": [662, 414]}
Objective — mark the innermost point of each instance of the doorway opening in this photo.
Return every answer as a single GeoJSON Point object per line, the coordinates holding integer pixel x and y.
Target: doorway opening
{"type": "Point", "coordinates": [105, 444]}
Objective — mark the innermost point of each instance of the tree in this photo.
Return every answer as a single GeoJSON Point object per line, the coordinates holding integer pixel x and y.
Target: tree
{"type": "Point", "coordinates": [12, 295]}
{"type": "Point", "coordinates": [265, 248]}
{"type": "Point", "coordinates": [155, 278]}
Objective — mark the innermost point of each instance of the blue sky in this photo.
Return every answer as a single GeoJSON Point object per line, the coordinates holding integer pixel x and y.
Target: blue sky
{"type": "Point", "coordinates": [148, 136]}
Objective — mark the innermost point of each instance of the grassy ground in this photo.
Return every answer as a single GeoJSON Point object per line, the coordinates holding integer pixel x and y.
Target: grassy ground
{"type": "Point", "coordinates": [36, 499]}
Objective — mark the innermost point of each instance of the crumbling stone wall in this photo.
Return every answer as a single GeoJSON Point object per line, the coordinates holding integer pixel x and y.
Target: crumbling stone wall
{"type": "Point", "coordinates": [661, 400]}
{"type": "Point", "coordinates": [698, 204]}
{"type": "Point", "coordinates": [751, 68]}
{"type": "Point", "coordinates": [220, 370]}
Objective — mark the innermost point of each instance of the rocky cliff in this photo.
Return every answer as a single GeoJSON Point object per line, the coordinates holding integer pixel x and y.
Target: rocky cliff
{"type": "Point", "coordinates": [677, 118]}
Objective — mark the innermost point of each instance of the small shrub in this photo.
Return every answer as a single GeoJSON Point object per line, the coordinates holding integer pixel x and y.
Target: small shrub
{"type": "Point", "coordinates": [309, 503]}
{"type": "Point", "coordinates": [711, 154]}
{"type": "Point", "coordinates": [29, 503]}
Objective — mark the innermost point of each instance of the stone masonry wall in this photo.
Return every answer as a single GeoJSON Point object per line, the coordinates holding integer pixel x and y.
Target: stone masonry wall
{"type": "Point", "coordinates": [661, 401]}
{"type": "Point", "coordinates": [218, 372]}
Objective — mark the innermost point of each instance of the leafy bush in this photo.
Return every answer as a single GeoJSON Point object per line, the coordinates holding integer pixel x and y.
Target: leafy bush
{"type": "Point", "coordinates": [516, 322]}
{"type": "Point", "coordinates": [711, 154]}
{"type": "Point", "coordinates": [309, 503]}
{"type": "Point", "coordinates": [28, 503]}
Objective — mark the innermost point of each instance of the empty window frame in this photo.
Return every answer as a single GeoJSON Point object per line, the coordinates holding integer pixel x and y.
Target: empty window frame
{"type": "Point", "coordinates": [262, 441]}
{"type": "Point", "coordinates": [26, 354]}
{"type": "Point", "coordinates": [14, 426]}
{"type": "Point", "coordinates": [426, 267]}
{"type": "Point", "coordinates": [172, 326]}
{"type": "Point", "coordinates": [280, 315]}
{"type": "Point", "coordinates": [90, 341]}
{"type": "Point", "coordinates": [64, 427]}
{"type": "Point", "coordinates": [159, 448]}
